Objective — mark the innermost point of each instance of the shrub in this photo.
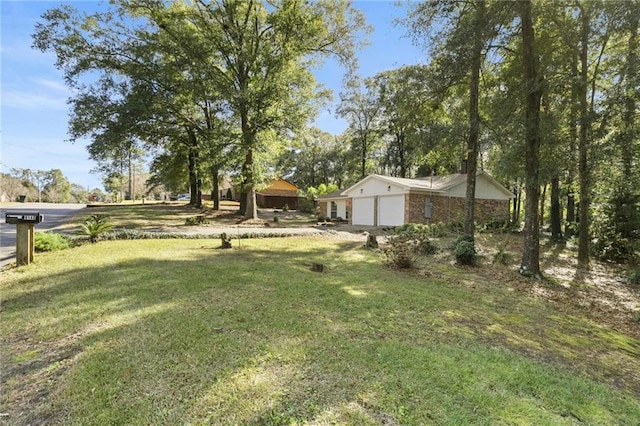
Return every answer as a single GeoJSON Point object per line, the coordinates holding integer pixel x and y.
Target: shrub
{"type": "Point", "coordinates": [502, 257]}
{"type": "Point", "coordinates": [196, 220]}
{"type": "Point", "coordinates": [461, 238]}
{"type": "Point", "coordinates": [49, 241]}
{"type": "Point", "coordinates": [455, 226]}
{"type": "Point", "coordinates": [634, 277]}
{"type": "Point", "coordinates": [401, 251]}
{"type": "Point", "coordinates": [438, 229]}
{"type": "Point", "coordinates": [465, 251]}
{"type": "Point", "coordinates": [276, 219]}
{"type": "Point", "coordinates": [95, 226]}
{"type": "Point", "coordinates": [285, 208]}
{"type": "Point", "coordinates": [409, 243]}
{"type": "Point", "coordinates": [616, 226]}
{"type": "Point", "coordinates": [306, 205]}
{"type": "Point", "coordinates": [617, 249]}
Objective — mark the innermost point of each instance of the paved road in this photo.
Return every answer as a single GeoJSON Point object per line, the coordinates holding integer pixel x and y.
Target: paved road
{"type": "Point", "coordinates": [55, 215]}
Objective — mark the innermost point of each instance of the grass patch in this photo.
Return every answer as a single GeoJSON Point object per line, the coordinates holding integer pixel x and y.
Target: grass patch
{"type": "Point", "coordinates": [176, 331]}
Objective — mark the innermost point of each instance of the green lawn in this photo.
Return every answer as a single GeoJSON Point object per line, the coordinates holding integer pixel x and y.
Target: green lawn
{"type": "Point", "coordinates": [173, 215]}
{"type": "Point", "coordinates": [180, 332]}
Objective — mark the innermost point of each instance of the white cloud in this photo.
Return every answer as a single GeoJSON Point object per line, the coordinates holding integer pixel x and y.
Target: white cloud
{"type": "Point", "coordinates": [52, 84]}
{"type": "Point", "coordinates": [24, 100]}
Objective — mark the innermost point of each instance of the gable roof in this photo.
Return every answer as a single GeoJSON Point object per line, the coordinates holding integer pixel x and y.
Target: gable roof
{"type": "Point", "coordinates": [437, 184]}
{"type": "Point", "coordinates": [334, 195]}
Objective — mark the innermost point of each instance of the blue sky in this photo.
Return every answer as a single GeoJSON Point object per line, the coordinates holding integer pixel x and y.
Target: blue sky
{"type": "Point", "coordinates": [34, 113]}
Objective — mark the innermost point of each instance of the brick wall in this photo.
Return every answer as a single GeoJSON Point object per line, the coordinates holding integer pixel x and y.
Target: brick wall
{"type": "Point", "coordinates": [445, 209]}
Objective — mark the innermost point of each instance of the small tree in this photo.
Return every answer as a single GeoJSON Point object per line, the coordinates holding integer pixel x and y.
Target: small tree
{"type": "Point", "coordinates": [96, 225]}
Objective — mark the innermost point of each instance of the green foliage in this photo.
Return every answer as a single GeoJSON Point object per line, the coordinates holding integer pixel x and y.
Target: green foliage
{"type": "Point", "coordinates": [464, 250]}
{"type": "Point", "coordinates": [616, 228]}
{"type": "Point", "coordinates": [436, 230]}
{"type": "Point", "coordinates": [634, 277]}
{"type": "Point", "coordinates": [401, 251]}
{"type": "Point", "coordinates": [306, 205]}
{"type": "Point", "coordinates": [285, 208]}
{"type": "Point", "coordinates": [196, 220]}
{"type": "Point", "coordinates": [500, 225]}
{"type": "Point", "coordinates": [502, 258]}
{"type": "Point", "coordinates": [410, 242]}
{"type": "Point", "coordinates": [95, 226]}
{"type": "Point", "coordinates": [49, 241]}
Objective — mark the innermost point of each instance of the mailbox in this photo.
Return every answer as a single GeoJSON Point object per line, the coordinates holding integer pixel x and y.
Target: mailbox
{"type": "Point", "coordinates": [16, 218]}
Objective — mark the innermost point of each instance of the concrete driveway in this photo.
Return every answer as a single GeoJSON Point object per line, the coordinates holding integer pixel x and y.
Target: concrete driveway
{"type": "Point", "coordinates": [55, 215]}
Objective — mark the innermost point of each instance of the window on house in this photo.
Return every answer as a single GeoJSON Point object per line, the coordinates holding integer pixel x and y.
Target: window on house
{"type": "Point", "coordinates": [428, 207]}
{"type": "Point", "coordinates": [334, 210]}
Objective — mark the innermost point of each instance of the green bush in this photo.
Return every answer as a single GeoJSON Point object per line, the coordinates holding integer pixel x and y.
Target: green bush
{"type": "Point", "coordinates": [410, 242]}
{"type": "Point", "coordinates": [502, 258]}
{"type": "Point", "coordinates": [634, 277]}
{"type": "Point", "coordinates": [465, 251]}
{"type": "Point", "coordinates": [196, 220]}
{"type": "Point", "coordinates": [461, 238]}
{"type": "Point", "coordinates": [95, 226]}
{"type": "Point", "coordinates": [49, 241]}
{"type": "Point", "coordinates": [616, 227]}
{"type": "Point", "coordinates": [401, 251]}
{"type": "Point", "coordinates": [306, 205]}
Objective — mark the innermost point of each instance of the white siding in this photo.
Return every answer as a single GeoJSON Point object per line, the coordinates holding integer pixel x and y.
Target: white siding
{"type": "Point", "coordinates": [391, 210]}
{"type": "Point", "coordinates": [484, 190]}
{"type": "Point", "coordinates": [375, 187]}
{"type": "Point", "coordinates": [342, 209]}
{"type": "Point", "coordinates": [362, 211]}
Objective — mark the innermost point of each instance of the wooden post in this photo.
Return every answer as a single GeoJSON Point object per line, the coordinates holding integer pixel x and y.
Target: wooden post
{"type": "Point", "coordinates": [24, 244]}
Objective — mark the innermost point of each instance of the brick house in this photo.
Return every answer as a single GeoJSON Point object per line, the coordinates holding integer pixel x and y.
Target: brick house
{"type": "Point", "coordinates": [380, 200]}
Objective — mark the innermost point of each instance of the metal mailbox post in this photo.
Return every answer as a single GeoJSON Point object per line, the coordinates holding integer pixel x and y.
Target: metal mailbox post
{"type": "Point", "coordinates": [25, 222]}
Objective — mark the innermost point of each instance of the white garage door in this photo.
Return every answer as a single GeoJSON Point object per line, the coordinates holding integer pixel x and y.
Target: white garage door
{"type": "Point", "coordinates": [391, 210]}
{"type": "Point", "coordinates": [362, 211]}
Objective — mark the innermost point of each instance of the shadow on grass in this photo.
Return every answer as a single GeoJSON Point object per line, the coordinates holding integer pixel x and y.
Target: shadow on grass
{"type": "Point", "coordinates": [252, 336]}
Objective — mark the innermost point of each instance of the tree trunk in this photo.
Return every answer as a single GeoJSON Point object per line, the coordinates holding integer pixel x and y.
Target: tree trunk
{"type": "Point", "coordinates": [583, 142]}
{"type": "Point", "coordinates": [215, 188]}
{"type": "Point", "coordinates": [474, 121]}
{"type": "Point", "coordinates": [193, 176]}
{"type": "Point", "coordinates": [363, 157]}
{"type": "Point", "coordinates": [570, 220]}
{"type": "Point", "coordinates": [130, 165]}
{"type": "Point", "coordinates": [248, 140]}
{"type": "Point", "coordinates": [530, 265]}
{"type": "Point", "coordinates": [555, 214]}
{"type": "Point", "coordinates": [543, 200]}
{"type": "Point", "coordinates": [251, 209]}
{"type": "Point", "coordinates": [400, 137]}
{"type": "Point", "coordinates": [515, 214]}
{"type": "Point", "coordinates": [243, 203]}
{"type": "Point", "coordinates": [192, 164]}
{"type": "Point", "coordinates": [519, 205]}
{"type": "Point", "coordinates": [122, 179]}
